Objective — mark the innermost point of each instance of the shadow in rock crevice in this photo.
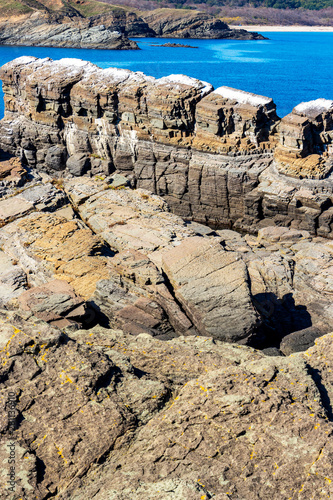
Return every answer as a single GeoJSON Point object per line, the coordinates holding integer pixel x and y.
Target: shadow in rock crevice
{"type": "Point", "coordinates": [280, 317]}
{"type": "Point", "coordinates": [325, 399]}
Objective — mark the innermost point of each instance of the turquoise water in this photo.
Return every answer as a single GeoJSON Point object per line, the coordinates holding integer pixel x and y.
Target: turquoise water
{"type": "Point", "coordinates": [290, 67]}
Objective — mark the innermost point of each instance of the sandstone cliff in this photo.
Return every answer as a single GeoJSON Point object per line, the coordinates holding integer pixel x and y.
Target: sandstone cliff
{"type": "Point", "coordinates": [221, 156]}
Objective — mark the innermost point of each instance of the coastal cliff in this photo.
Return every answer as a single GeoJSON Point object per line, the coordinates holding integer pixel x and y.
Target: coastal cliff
{"type": "Point", "coordinates": [221, 157]}
{"type": "Point", "coordinates": [44, 30]}
{"type": "Point", "coordinates": [175, 23]}
{"type": "Point", "coordinates": [83, 25]}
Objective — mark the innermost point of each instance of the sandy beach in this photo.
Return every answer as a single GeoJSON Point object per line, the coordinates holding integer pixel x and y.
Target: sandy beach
{"type": "Point", "coordinates": [285, 28]}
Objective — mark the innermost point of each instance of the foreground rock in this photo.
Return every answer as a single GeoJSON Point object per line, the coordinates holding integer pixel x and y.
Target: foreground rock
{"type": "Point", "coordinates": [221, 157]}
{"type": "Point", "coordinates": [212, 286]}
{"type": "Point", "coordinates": [179, 413]}
{"type": "Point", "coordinates": [185, 418]}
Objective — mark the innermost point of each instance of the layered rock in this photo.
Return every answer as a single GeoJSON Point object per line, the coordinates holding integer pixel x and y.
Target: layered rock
{"type": "Point", "coordinates": [43, 30]}
{"type": "Point", "coordinates": [179, 413]}
{"type": "Point", "coordinates": [220, 156]}
{"type": "Point", "coordinates": [64, 24]}
{"type": "Point", "coordinates": [305, 148]}
{"type": "Point", "coordinates": [124, 21]}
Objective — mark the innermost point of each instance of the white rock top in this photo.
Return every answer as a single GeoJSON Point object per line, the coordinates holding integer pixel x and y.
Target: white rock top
{"type": "Point", "coordinates": [185, 80]}
{"type": "Point", "coordinates": [317, 106]}
{"type": "Point", "coordinates": [242, 97]}
{"type": "Point", "coordinates": [74, 65]}
{"type": "Point", "coordinates": [116, 74]}
{"type": "Point", "coordinates": [24, 60]}
{"type": "Point", "coordinates": [72, 62]}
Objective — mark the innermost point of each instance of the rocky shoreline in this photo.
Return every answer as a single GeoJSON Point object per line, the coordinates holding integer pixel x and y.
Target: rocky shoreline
{"type": "Point", "coordinates": [202, 356]}
{"type": "Point", "coordinates": [111, 30]}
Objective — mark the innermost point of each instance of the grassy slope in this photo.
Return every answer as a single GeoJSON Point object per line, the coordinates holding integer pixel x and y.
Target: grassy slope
{"type": "Point", "coordinates": [86, 8]}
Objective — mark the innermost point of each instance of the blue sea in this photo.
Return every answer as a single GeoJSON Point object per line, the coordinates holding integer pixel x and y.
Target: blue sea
{"type": "Point", "coordinates": [289, 67]}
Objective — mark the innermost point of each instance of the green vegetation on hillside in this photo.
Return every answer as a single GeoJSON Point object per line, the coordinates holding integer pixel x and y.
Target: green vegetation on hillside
{"type": "Point", "coordinates": [13, 8]}
{"type": "Point", "coordinates": [276, 4]}
{"type": "Point", "coordinates": [86, 8]}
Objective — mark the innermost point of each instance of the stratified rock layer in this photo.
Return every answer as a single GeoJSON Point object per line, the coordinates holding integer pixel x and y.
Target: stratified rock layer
{"type": "Point", "coordinates": [221, 157]}
{"type": "Point", "coordinates": [43, 30]}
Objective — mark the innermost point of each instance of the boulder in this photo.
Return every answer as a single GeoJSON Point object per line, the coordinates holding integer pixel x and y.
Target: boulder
{"type": "Point", "coordinates": [56, 158]}
{"type": "Point", "coordinates": [54, 302]}
{"type": "Point", "coordinates": [78, 164]}
{"type": "Point", "coordinates": [212, 286]}
{"type": "Point", "coordinates": [300, 340]}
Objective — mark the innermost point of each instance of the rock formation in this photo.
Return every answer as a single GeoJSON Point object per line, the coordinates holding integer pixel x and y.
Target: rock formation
{"type": "Point", "coordinates": [116, 315]}
{"type": "Point", "coordinates": [221, 157]}
{"type": "Point", "coordinates": [175, 23]}
{"type": "Point", "coordinates": [69, 24]}
{"type": "Point", "coordinates": [42, 30]}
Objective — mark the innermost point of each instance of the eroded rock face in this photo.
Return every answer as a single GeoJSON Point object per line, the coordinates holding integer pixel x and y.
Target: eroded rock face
{"type": "Point", "coordinates": [179, 413]}
{"type": "Point", "coordinates": [220, 157]}
{"type": "Point", "coordinates": [305, 148]}
{"type": "Point", "coordinates": [43, 30]}
{"type": "Point", "coordinates": [123, 21]}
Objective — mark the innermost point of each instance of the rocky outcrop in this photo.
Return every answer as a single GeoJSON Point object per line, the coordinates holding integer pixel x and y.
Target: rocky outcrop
{"type": "Point", "coordinates": [64, 25]}
{"type": "Point", "coordinates": [124, 21]}
{"type": "Point", "coordinates": [43, 30]}
{"type": "Point", "coordinates": [222, 157]}
{"type": "Point", "coordinates": [143, 269]}
{"type": "Point", "coordinates": [305, 147]}
{"type": "Point", "coordinates": [175, 23]}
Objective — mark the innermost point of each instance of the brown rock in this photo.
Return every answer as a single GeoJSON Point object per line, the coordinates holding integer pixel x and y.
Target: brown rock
{"type": "Point", "coordinates": [54, 302]}
{"type": "Point", "coordinates": [212, 286]}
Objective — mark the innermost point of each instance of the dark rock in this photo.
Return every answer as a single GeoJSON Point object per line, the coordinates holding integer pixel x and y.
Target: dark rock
{"type": "Point", "coordinates": [300, 340]}
{"type": "Point", "coordinates": [78, 164]}
{"type": "Point", "coordinates": [175, 45]}
{"type": "Point", "coordinates": [56, 158]}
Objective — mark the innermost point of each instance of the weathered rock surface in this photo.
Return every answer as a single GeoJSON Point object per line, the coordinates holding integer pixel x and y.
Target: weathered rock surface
{"type": "Point", "coordinates": [179, 413]}
{"type": "Point", "coordinates": [42, 30]}
{"type": "Point", "coordinates": [54, 302]}
{"type": "Point", "coordinates": [187, 418]}
{"type": "Point", "coordinates": [123, 21]}
{"type": "Point", "coordinates": [56, 25]}
{"type": "Point", "coordinates": [305, 148]}
{"type": "Point", "coordinates": [212, 286]}
{"type": "Point", "coordinates": [220, 157]}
